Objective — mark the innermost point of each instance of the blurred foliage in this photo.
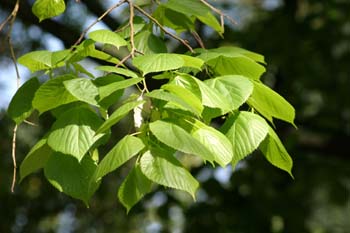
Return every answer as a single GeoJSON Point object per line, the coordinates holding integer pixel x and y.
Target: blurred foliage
{"type": "Point", "coordinates": [307, 47]}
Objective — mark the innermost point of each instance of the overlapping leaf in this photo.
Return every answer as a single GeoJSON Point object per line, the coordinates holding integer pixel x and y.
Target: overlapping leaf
{"type": "Point", "coordinates": [166, 170]}
{"type": "Point", "coordinates": [246, 131]}
{"type": "Point", "coordinates": [107, 37]}
{"type": "Point", "coordinates": [74, 133]}
{"type": "Point", "coordinates": [125, 149]}
{"type": "Point", "coordinates": [134, 187]}
{"type": "Point", "coordinates": [44, 9]}
{"type": "Point", "coordinates": [83, 89]}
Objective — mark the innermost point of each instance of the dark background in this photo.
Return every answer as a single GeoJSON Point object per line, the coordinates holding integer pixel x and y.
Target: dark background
{"type": "Point", "coordinates": [306, 44]}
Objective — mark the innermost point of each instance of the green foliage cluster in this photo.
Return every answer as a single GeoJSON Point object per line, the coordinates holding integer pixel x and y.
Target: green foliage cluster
{"type": "Point", "coordinates": [170, 123]}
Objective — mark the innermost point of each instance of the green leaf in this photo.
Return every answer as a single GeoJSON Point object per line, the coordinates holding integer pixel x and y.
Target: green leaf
{"type": "Point", "coordinates": [246, 131]}
{"type": "Point", "coordinates": [177, 138]}
{"type": "Point", "coordinates": [139, 23]}
{"type": "Point", "coordinates": [174, 20]}
{"type": "Point", "coordinates": [216, 142]}
{"type": "Point", "coordinates": [108, 37]}
{"type": "Point", "coordinates": [44, 9]}
{"type": "Point", "coordinates": [117, 70]}
{"type": "Point", "coordinates": [43, 59]}
{"type": "Point", "coordinates": [125, 149]}
{"type": "Point", "coordinates": [53, 94]}
{"type": "Point", "coordinates": [197, 9]}
{"type": "Point", "coordinates": [21, 104]}
{"type": "Point", "coordinates": [229, 51]}
{"type": "Point", "coordinates": [119, 114]}
{"type": "Point", "coordinates": [270, 104]}
{"type": "Point", "coordinates": [35, 159]}
{"type": "Point", "coordinates": [83, 89]}
{"type": "Point", "coordinates": [186, 95]}
{"type": "Point", "coordinates": [74, 132]}
{"type": "Point", "coordinates": [192, 62]}
{"type": "Point", "coordinates": [235, 89]}
{"type": "Point", "coordinates": [109, 89]}
{"type": "Point", "coordinates": [134, 187]}
{"type": "Point", "coordinates": [240, 65]}
{"type": "Point", "coordinates": [72, 177]}
{"type": "Point", "coordinates": [209, 96]}
{"type": "Point", "coordinates": [158, 62]}
{"type": "Point", "coordinates": [164, 169]}
{"type": "Point", "coordinates": [147, 43]}
{"type": "Point", "coordinates": [103, 56]}
{"type": "Point", "coordinates": [275, 152]}
{"type": "Point", "coordinates": [115, 96]}
{"type": "Point", "coordinates": [175, 101]}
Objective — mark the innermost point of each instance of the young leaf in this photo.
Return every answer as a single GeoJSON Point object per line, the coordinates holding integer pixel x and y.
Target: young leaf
{"type": "Point", "coordinates": [158, 62]}
{"type": "Point", "coordinates": [134, 187]}
{"type": "Point", "coordinates": [235, 89]}
{"type": "Point", "coordinates": [192, 62]}
{"type": "Point", "coordinates": [119, 114]}
{"type": "Point", "coordinates": [246, 131]}
{"type": "Point", "coordinates": [72, 177]}
{"type": "Point", "coordinates": [112, 98]}
{"type": "Point", "coordinates": [125, 149]}
{"type": "Point", "coordinates": [164, 169]}
{"type": "Point", "coordinates": [275, 152]}
{"type": "Point", "coordinates": [53, 94]}
{"type": "Point", "coordinates": [239, 65]}
{"type": "Point", "coordinates": [21, 104]}
{"type": "Point", "coordinates": [44, 9]}
{"type": "Point", "coordinates": [107, 37]}
{"type": "Point", "coordinates": [83, 89]}
{"type": "Point", "coordinates": [74, 133]}
{"type": "Point", "coordinates": [35, 159]}
{"type": "Point", "coordinates": [177, 138]}
{"type": "Point", "coordinates": [270, 104]}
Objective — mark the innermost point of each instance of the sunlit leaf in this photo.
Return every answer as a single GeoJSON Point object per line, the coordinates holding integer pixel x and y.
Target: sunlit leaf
{"type": "Point", "coordinates": [275, 152]}
{"type": "Point", "coordinates": [44, 9]}
{"type": "Point", "coordinates": [117, 70]}
{"type": "Point", "coordinates": [246, 131]}
{"type": "Point", "coordinates": [119, 114]}
{"type": "Point", "coordinates": [179, 139]}
{"type": "Point", "coordinates": [109, 89]}
{"type": "Point", "coordinates": [270, 104]}
{"type": "Point", "coordinates": [158, 62]}
{"type": "Point", "coordinates": [107, 37]}
{"type": "Point", "coordinates": [147, 43]}
{"type": "Point", "coordinates": [74, 132]}
{"type": "Point", "coordinates": [53, 94]}
{"type": "Point", "coordinates": [125, 149]}
{"type": "Point", "coordinates": [164, 169]}
{"type": "Point", "coordinates": [83, 89]}
{"type": "Point", "coordinates": [43, 59]}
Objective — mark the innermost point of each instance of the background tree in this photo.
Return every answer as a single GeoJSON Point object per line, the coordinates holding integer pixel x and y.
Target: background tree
{"type": "Point", "coordinates": [275, 211]}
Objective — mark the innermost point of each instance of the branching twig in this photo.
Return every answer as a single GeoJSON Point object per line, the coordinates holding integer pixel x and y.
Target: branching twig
{"type": "Point", "coordinates": [184, 42]}
{"type": "Point", "coordinates": [198, 39]}
{"type": "Point", "coordinates": [109, 10]}
{"type": "Point", "coordinates": [219, 12]}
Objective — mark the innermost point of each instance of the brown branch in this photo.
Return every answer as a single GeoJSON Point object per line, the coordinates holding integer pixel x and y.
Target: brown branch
{"type": "Point", "coordinates": [219, 12]}
{"type": "Point", "coordinates": [198, 39]}
{"type": "Point", "coordinates": [184, 42]}
{"type": "Point", "coordinates": [109, 10]}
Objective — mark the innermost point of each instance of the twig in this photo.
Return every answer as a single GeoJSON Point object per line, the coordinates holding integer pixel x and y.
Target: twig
{"type": "Point", "coordinates": [11, 20]}
{"type": "Point", "coordinates": [219, 12]}
{"type": "Point", "coordinates": [198, 39]}
{"type": "Point", "coordinates": [184, 42]}
{"type": "Point", "coordinates": [109, 10]}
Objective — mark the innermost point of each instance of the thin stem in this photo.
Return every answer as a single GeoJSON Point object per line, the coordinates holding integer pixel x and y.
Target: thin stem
{"type": "Point", "coordinates": [14, 158]}
{"type": "Point", "coordinates": [109, 10]}
{"type": "Point", "coordinates": [198, 39]}
{"type": "Point", "coordinates": [184, 42]}
{"type": "Point", "coordinates": [219, 12]}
